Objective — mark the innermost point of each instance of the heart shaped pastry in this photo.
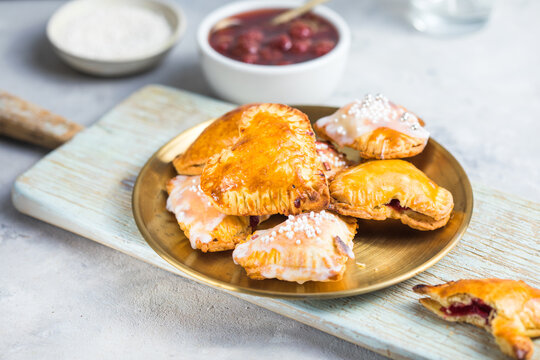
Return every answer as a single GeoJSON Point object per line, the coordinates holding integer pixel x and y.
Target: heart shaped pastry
{"type": "Point", "coordinates": [508, 309]}
{"type": "Point", "coordinates": [223, 132]}
{"type": "Point", "coordinates": [382, 189]}
{"type": "Point", "coordinates": [272, 168]}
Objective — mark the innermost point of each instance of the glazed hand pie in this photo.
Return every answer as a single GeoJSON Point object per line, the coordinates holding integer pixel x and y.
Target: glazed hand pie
{"type": "Point", "coordinates": [206, 228]}
{"type": "Point", "coordinates": [332, 160]}
{"type": "Point", "coordinates": [310, 246]}
{"type": "Point", "coordinates": [396, 189]}
{"type": "Point", "coordinates": [272, 168]}
{"type": "Point", "coordinates": [223, 132]}
{"type": "Point", "coordinates": [509, 309]}
{"type": "Point", "coordinates": [376, 127]}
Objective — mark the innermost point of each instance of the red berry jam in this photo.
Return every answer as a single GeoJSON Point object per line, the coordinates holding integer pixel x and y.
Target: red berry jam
{"type": "Point", "coordinates": [254, 222]}
{"type": "Point", "coordinates": [256, 41]}
{"type": "Point", "coordinates": [396, 205]}
{"type": "Point", "coordinates": [476, 307]}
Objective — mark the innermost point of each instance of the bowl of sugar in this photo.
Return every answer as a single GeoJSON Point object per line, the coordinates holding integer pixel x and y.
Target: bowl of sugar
{"type": "Point", "coordinates": [115, 37]}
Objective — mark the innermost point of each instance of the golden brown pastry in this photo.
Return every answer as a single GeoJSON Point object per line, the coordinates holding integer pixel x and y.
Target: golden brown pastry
{"type": "Point", "coordinates": [223, 132]}
{"type": "Point", "coordinates": [206, 228]}
{"type": "Point", "coordinates": [310, 246]}
{"type": "Point", "coordinates": [508, 309]}
{"type": "Point", "coordinates": [332, 160]}
{"type": "Point", "coordinates": [376, 127]}
{"type": "Point", "coordinates": [272, 168]}
{"type": "Point", "coordinates": [396, 189]}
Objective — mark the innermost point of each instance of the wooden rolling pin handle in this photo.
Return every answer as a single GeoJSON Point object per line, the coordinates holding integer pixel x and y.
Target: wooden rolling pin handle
{"type": "Point", "coordinates": [24, 121]}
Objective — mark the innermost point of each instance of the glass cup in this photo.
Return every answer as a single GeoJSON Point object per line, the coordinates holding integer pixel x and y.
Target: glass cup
{"type": "Point", "coordinates": [449, 17]}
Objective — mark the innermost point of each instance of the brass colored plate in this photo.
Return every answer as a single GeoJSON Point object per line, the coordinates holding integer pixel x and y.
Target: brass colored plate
{"type": "Point", "coordinates": [391, 252]}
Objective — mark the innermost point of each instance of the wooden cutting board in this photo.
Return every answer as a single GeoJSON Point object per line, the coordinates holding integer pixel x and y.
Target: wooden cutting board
{"type": "Point", "coordinates": [85, 187]}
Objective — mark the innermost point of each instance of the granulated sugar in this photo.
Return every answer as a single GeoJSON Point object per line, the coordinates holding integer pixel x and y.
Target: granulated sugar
{"type": "Point", "coordinates": [115, 32]}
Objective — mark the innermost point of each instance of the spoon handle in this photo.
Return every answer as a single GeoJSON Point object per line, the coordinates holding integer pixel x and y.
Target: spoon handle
{"type": "Point", "coordinates": [293, 13]}
{"type": "Point", "coordinates": [24, 121]}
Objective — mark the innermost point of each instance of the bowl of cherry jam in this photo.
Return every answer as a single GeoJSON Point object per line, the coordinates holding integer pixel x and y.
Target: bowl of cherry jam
{"type": "Point", "coordinates": [253, 60]}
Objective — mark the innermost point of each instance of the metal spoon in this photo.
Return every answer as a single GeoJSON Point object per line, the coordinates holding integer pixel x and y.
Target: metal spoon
{"type": "Point", "coordinates": [280, 19]}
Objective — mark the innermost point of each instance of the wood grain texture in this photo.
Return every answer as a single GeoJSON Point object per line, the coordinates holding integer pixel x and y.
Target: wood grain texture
{"type": "Point", "coordinates": [85, 187]}
{"type": "Point", "coordinates": [24, 121]}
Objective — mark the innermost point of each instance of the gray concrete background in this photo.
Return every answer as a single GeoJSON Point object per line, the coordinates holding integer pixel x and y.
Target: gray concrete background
{"type": "Point", "coordinates": [62, 296]}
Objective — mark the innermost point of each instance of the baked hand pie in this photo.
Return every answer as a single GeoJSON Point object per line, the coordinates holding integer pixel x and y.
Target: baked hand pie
{"type": "Point", "coordinates": [206, 228]}
{"type": "Point", "coordinates": [509, 309]}
{"type": "Point", "coordinates": [396, 189]}
{"type": "Point", "coordinates": [332, 160]}
{"type": "Point", "coordinates": [223, 132]}
{"type": "Point", "coordinates": [306, 247]}
{"type": "Point", "coordinates": [272, 168]}
{"type": "Point", "coordinates": [376, 127]}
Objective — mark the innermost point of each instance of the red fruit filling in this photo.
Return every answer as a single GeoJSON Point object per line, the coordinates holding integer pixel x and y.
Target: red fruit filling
{"type": "Point", "coordinates": [282, 42]}
{"type": "Point", "coordinates": [324, 46]}
{"type": "Point", "coordinates": [250, 58]}
{"type": "Point", "coordinates": [271, 54]}
{"type": "Point", "coordinates": [255, 40]}
{"type": "Point", "coordinates": [251, 35]}
{"type": "Point", "coordinates": [253, 222]}
{"type": "Point", "coordinates": [476, 307]}
{"type": "Point", "coordinates": [301, 46]}
{"type": "Point", "coordinates": [300, 30]}
{"type": "Point", "coordinates": [396, 205]}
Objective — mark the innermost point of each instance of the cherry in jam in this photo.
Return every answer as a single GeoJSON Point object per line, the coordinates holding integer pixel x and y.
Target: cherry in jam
{"type": "Point", "coordinates": [254, 222]}
{"type": "Point", "coordinates": [396, 205]}
{"type": "Point", "coordinates": [476, 307]}
{"type": "Point", "coordinates": [257, 41]}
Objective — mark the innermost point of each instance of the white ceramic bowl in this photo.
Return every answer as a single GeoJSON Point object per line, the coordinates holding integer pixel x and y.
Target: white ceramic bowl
{"type": "Point", "coordinates": [172, 14]}
{"type": "Point", "coordinates": [306, 82]}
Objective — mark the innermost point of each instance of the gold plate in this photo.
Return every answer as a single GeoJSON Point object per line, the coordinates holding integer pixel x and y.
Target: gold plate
{"type": "Point", "coordinates": [391, 252]}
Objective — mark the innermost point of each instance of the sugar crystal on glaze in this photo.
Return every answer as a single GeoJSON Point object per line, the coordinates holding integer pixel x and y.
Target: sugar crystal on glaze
{"type": "Point", "coordinates": [329, 155]}
{"type": "Point", "coordinates": [192, 208]}
{"type": "Point", "coordinates": [313, 231]}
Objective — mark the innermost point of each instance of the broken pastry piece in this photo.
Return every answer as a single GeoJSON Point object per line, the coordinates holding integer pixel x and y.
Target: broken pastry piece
{"type": "Point", "coordinates": [508, 309]}
{"type": "Point", "coordinates": [272, 168]}
{"type": "Point", "coordinates": [206, 228]}
{"type": "Point", "coordinates": [396, 189]}
{"type": "Point", "coordinates": [223, 132]}
{"type": "Point", "coordinates": [306, 247]}
{"type": "Point", "coordinates": [376, 127]}
{"type": "Point", "coordinates": [332, 160]}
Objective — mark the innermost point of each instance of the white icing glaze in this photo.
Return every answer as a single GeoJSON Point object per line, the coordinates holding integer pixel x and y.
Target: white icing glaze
{"type": "Point", "coordinates": [314, 232]}
{"type": "Point", "coordinates": [300, 275]}
{"type": "Point", "coordinates": [329, 155]}
{"type": "Point", "coordinates": [193, 209]}
{"type": "Point", "coordinates": [363, 116]}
